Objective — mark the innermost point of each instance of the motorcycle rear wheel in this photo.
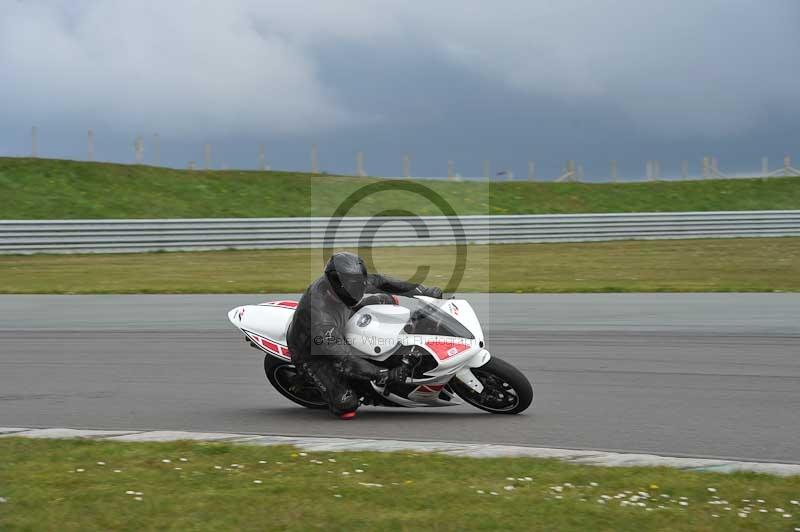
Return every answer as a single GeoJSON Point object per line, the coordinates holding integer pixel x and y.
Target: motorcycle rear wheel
{"type": "Point", "coordinates": [283, 377]}
{"type": "Point", "coordinates": [505, 389]}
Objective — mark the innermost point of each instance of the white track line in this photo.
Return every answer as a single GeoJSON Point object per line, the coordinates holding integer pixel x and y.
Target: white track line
{"type": "Point", "coordinates": [475, 450]}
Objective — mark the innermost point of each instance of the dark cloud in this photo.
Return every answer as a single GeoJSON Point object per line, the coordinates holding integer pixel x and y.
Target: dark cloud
{"type": "Point", "coordinates": [457, 79]}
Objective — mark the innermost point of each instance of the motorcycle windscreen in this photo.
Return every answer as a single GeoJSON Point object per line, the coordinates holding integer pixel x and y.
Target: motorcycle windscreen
{"type": "Point", "coordinates": [430, 319]}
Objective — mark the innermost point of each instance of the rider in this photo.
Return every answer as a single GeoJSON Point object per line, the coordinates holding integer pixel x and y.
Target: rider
{"type": "Point", "coordinates": [316, 334]}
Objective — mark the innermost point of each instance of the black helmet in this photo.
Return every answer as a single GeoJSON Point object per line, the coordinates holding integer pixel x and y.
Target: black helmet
{"type": "Point", "coordinates": [347, 274]}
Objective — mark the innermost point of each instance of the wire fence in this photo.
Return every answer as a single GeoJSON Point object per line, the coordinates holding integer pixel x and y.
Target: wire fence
{"type": "Point", "coordinates": [708, 167]}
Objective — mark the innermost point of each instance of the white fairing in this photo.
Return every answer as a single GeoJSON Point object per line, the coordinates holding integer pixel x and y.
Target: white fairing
{"type": "Point", "coordinates": [265, 320]}
{"type": "Point", "coordinates": [377, 332]}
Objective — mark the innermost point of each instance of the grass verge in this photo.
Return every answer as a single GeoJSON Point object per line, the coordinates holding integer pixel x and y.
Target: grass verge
{"type": "Point", "coordinates": [58, 189]}
{"type": "Point", "coordinates": [89, 485]}
{"type": "Point", "coordinates": [715, 265]}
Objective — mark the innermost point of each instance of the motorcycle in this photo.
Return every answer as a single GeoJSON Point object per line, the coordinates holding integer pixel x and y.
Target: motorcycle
{"type": "Point", "coordinates": [440, 340]}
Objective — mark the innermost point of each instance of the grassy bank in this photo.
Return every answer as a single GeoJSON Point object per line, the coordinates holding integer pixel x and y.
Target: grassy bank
{"type": "Point", "coordinates": [56, 189]}
{"type": "Point", "coordinates": [717, 265]}
{"type": "Point", "coordinates": [88, 485]}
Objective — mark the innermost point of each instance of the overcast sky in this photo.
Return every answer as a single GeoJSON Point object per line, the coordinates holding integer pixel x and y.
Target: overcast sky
{"type": "Point", "coordinates": [461, 80]}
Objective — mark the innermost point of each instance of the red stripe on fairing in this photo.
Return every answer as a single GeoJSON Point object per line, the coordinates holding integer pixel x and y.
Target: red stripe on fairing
{"type": "Point", "coordinates": [286, 303]}
{"type": "Point", "coordinates": [445, 350]}
{"type": "Point", "coordinates": [270, 346]}
{"type": "Point", "coordinates": [430, 388]}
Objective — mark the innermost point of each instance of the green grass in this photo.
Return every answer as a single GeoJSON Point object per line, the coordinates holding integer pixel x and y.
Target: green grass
{"type": "Point", "coordinates": [716, 265]}
{"type": "Point", "coordinates": [57, 189]}
{"type": "Point", "coordinates": [60, 485]}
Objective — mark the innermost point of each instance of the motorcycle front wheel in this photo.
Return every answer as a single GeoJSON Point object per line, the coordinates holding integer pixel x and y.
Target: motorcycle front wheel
{"type": "Point", "coordinates": [284, 378]}
{"type": "Point", "coordinates": [505, 389]}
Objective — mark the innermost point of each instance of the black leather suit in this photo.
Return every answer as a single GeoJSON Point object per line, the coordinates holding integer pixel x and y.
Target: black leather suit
{"type": "Point", "coordinates": [316, 338]}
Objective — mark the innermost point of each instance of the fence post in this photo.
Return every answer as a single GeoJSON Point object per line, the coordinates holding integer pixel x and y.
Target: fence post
{"type": "Point", "coordinates": [207, 157]}
{"type": "Point", "coordinates": [262, 157]}
{"type": "Point", "coordinates": [406, 166]}
{"type": "Point", "coordinates": [34, 142]}
{"type": "Point", "coordinates": [314, 165]}
{"type": "Point", "coordinates": [360, 164]}
{"type": "Point", "coordinates": [450, 170]}
{"type": "Point", "coordinates": [139, 149]}
{"type": "Point", "coordinates": [90, 145]}
{"type": "Point", "coordinates": [531, 171]}
{"type": "Point", "coordinates": [613, 171]}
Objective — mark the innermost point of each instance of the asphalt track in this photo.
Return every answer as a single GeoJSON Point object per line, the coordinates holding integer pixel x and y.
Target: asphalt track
{"type": "Point", "coordinates": [713, 375]}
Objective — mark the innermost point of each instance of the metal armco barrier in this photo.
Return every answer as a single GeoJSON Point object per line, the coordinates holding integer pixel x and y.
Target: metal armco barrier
{"type": "Point", "coordinates": [120, 236]}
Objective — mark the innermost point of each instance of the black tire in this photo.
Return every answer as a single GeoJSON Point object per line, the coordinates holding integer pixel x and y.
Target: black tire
{"type": "Point", "coordinates": [506, 389]}
{"type": "Point", "coordinates": [281, 375]}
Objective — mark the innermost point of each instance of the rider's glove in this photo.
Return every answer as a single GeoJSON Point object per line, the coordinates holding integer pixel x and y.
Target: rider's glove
{"type": "Point", "coordinates": [434, 291]}
{"type": "Point", "coordinates": [397, 374]}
